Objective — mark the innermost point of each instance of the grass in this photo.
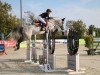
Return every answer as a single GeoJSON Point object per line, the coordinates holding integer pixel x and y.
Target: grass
{"type": "Point", "coordinates": [81, 41]}
{"type": "Point", "coordinates": [23, 44]}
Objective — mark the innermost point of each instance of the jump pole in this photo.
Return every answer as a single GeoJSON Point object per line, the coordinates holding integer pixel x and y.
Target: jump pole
{"type": "Point", "coordinates": [74, 64]}
{"type": "Point", "coordinates": [34, 51]}
{"type": "Point", "coordinates": [72, 61]}
{"type": "Point", "coordinates": [49, 65]}
{"type": "Point", "coordinates": [31, 47]}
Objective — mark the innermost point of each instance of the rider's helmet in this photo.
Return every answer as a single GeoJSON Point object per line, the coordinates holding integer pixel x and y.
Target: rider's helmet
{"type": "Point", "coordinates": [48, 10]}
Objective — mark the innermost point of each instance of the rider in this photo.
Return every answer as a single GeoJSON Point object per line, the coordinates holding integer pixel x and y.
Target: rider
{"type": "Point", "coordinates": [44, 16]}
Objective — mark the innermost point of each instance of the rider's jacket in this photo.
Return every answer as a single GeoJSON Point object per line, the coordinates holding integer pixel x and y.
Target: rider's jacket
{"type": "Point", "coordinates": [44, 15]}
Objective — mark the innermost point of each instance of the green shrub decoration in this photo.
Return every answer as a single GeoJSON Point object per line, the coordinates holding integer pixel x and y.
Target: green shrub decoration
{"type": "Point", "coordinates": [89, 41]}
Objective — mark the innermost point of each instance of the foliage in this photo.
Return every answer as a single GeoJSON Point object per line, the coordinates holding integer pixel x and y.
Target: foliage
{"type": "Point", "coordinates": [97, 31]}
{"type": "Point", "coordinates": [88, 41]}
{"type": "Point", "coordinates": [91, 29]}
{"type": "Point", "coordinates": [7, 20]}
{"type": "Point", "coordinates": [78, 26]}
{"type": "Point", "coordinates": [58, 35]}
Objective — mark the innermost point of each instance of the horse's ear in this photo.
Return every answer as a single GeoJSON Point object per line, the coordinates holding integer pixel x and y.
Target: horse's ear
{"type": "Point", "coordinates": [63, 19]}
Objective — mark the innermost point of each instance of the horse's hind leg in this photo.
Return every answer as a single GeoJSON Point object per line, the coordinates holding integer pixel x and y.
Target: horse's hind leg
{"type": "Point", "coordinates": [18, 44]}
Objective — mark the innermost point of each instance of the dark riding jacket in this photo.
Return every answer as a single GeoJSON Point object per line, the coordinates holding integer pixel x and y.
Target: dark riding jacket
{"type": "Point", "coordinates": [45, 15]}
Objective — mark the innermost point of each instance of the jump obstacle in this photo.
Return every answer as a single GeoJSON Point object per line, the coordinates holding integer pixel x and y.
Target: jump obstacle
{"type": "Point", "coordinates": [47, 60]}
{"type": "Point", "coordinates": [31, 51]}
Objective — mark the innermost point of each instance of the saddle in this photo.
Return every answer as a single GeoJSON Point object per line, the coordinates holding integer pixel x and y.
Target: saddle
{"type": "Point", "coordinates": [39, 24]}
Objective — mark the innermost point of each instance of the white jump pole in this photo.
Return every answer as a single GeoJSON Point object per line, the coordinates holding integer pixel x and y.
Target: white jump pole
{"type": "Point", "coordinates": [47, 47]}
{"type": "Point", "coordinates": [34, 52]}
{"type": "Point", "coordinates": [49, 65]}
{"type": "Point", "coordinates": [29, 52]}
{"type": "Point", "coordinates": [30, 45]}
{"type": "Point", "coordinates": [74, 65]}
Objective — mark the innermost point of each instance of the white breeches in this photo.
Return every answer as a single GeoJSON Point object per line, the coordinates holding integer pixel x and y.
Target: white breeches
{"type": "Point", "coordinates": [41, 19]}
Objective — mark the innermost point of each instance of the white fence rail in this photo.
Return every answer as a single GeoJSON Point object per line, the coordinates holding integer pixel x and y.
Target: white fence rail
{"type": "Point", "coordinates": [56, 41]}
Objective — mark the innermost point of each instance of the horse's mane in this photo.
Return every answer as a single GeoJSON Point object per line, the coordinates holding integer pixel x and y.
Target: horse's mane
{"type": "Point", "coordinates": [55, 18]}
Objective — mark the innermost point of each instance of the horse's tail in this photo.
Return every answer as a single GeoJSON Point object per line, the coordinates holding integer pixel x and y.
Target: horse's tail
{"type": "Point", "coordinates": [6, 37]}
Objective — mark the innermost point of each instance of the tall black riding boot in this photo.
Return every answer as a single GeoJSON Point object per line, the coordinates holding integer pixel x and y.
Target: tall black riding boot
{"type": "Point", "coordinates": [41, 28]}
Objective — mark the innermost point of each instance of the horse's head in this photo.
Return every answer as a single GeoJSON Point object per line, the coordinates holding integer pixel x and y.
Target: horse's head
{"type": "Point", "coordinates": [57, 23]}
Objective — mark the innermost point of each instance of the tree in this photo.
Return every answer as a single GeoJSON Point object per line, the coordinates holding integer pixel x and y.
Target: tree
{"type": "Point", "coordinates": [91, 29]}
{"type": "Point", "coordinates": [7, 20]}
{"type": "Point", "coordinates": [97, 31]}
{"type": "Point", "coordinates": [79, 26]}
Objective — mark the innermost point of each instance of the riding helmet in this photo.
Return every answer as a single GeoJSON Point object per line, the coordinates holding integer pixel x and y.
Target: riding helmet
{"type": "Point", "coordinates": [48, 10]}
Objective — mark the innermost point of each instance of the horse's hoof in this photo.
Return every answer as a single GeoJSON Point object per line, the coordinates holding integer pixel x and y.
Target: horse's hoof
{"type": "Point", "coordinates": [16, 50]}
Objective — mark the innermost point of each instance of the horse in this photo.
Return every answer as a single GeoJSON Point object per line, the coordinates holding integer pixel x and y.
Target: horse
{"type": "Point", "coordinates": [25, 32]}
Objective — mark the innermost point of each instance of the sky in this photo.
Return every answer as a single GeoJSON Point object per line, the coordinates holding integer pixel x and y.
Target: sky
{"type": "Point", "coordinates": [86, 10]}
